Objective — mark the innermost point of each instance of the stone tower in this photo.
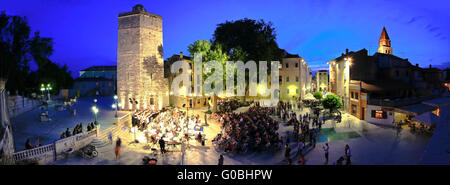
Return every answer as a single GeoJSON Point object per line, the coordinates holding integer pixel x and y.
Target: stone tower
{"type": "Point", "coordinates": [140, 65]}
{"type": "Point", "coordinates": [385, 43]}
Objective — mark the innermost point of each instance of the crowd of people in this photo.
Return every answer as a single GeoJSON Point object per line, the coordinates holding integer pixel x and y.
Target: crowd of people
{"type": "Point", "coordinates": [78, 129]}
{"type": "Point", "coordinates": [28, 144]}
{"type": "Point", "coordinates": [170, 127]}
{"type": "Point", "coordinates": [228, 105]}
{"type": "Point", "coordinates": [253, 130]}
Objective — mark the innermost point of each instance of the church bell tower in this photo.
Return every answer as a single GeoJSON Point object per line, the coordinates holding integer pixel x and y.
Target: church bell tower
{"type": "Point", "coordinates": [385, 43]}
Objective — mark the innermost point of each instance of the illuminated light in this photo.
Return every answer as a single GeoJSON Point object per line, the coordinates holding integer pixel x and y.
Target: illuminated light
{"type": "Point", "coordinates": [95, 109]}
{"type": "Point", "coordinates": [113, 106]}
{"type": "Point", "coordinates": [115, 97]}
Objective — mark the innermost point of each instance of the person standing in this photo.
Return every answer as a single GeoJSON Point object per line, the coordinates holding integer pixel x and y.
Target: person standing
{"type": "Point", "coordinates": [287, 152]}
{"type": "Point", "coordinates": [220, 160]}
{"type": "Point", "coordinates": [117, 150]}
{"type": "Point", "coordinates": [326, 148]}
{"type": "Point", "coordinates": [162, 145]}
{"type": "Point", "coordinates": [348, 154]}
{"type": "Point", "coordinates": [300, 148]}
{"type": "Point", "coordinates": [110, 137]}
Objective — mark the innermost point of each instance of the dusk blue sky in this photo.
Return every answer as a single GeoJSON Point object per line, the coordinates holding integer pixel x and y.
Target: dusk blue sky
{"type": "Point", "coordinates": [85, 32]}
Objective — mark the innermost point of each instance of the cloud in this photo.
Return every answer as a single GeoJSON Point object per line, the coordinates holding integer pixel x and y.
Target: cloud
{"type": "Point", "coordinates": [414, 19]}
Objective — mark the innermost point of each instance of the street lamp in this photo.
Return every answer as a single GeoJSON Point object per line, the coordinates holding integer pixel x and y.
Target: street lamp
{"type": "Point", "coordinates": [48, 88]}
{"type": "Point", "coordinates": [42, 90]}
{"type": "Point", "coordinates": [115, 105]}
{"type": "Point", "coordinates": [95, 110]}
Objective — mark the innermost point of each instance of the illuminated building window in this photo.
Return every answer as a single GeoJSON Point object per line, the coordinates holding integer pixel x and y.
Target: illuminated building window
{"type": "Point", "coordinates": [379, 114]}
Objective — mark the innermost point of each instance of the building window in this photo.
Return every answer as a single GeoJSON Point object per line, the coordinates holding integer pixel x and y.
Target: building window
{"type": "Point", "coordinates": [152, 101]}
{"type": "Point", "coordinates": [287, 78]}
{"type": "Point", "coordinates": [287, 65]}
{"type": "Point", "coordinates": [296, 91]}
{"type": "Point", "coordinates": [296, 65]}
{"type": "Point", "coordinates": [352, 95]}
{"type": "Point", "coordinates": [379, 114]}
{"type": "Point", "coordinates": [281, 79]}
{"type": "Point", "coordinates": [356, 95]}
{"type": "Point", "coordinates": [287, 91]}
{"type": "Point", "coordinates": [296, 78]}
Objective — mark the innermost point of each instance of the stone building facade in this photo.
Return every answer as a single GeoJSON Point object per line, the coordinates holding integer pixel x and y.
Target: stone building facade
{"type": "Point", "coordinates": [140, 65]}
{"type": "Point", "coordinates": [321, 80]}
{"type": "Point", "coordinates": [380, 87]}
{"type": "Point", "coordinates": [295, 77]}
{"type": "Point", "coordinates": [195, 99]}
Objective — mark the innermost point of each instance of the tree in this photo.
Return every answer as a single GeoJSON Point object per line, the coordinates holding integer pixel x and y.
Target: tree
{"type": "Point", "coordinates": [248, 39]}
{"type": "Point", "coordinates": [14, 50]}
{"type": "Point", "coordinates": [331, 102]}
{"type": "Point", "coordinates": [318, 95]}
{"type": "Point", "coordinates": [256, 38]}
{"type": "Point", "coordinates": [210, 53]}
{"type": "Point", "coordinates": [17, 49]}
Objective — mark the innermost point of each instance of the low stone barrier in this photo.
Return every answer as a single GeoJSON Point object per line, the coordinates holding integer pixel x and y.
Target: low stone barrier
{"type": "Point", "coordinates": [56, 150]}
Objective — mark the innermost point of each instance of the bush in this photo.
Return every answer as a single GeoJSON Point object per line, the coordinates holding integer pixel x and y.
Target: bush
{"type": "Point", "coordinates": [332, 102]}
{"type": "Point", "coordinates": [208, 112]}
{"type": "Point", "coordinates": [318, 95]}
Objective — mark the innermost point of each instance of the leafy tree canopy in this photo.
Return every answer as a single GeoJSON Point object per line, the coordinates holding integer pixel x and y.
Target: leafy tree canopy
{"type": "Point", "coordinates": [318, 95]}
{"type": "Point", "coordinates": [332, 102]}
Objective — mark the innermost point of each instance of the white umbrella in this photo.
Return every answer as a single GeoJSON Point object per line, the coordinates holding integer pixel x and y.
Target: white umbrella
{"type": "Point", "coordinates": [309, 96]}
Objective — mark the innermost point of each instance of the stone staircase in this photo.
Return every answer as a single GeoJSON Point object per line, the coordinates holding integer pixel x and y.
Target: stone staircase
{"type": "Point", "coordinates": [117, 131]}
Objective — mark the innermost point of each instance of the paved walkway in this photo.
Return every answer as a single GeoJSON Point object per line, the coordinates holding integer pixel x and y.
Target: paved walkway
{"type": "Point", "coordinates": [28, 125]}
{"type": "Point", "coordinates": [370, 144]}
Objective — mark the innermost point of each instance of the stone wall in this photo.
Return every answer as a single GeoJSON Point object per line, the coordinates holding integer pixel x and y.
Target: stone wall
{"type": "Point", "coordinates": [19, 104]}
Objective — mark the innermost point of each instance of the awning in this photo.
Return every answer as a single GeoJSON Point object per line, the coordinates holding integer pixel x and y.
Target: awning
{"type": "Point", "coordinates": [309, 96]}
{"type": "Point", "coordinates": [427, 118]}
{"type": "Point", "coordinates": [438, 102]}
{"type": "Point", "coordinates": [415, 109]}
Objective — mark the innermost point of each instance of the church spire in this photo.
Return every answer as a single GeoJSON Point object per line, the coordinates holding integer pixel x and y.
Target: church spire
{"type": "Point", "coordinates": [384, 34]}
{"type": "Point", "coordinates": [385, 43]}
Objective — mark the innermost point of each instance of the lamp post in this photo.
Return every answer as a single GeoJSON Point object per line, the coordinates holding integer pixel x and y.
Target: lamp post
{"type": "Point", "coordinates": [95, 111]}
{"type": "Point", "coordinates": [115, 105]}
{"type": "Point", "coordinates": [42, 90]}
{"type": "Point", "coordinates": [48, 88]}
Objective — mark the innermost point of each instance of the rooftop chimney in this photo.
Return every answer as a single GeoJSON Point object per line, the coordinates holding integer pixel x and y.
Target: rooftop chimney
{"type": "Point", "coordinates": [430, 66]}
{"type": "Point", "coordinates": [346, 51]}
{"type": "Point", "coordinates": [181, 55]}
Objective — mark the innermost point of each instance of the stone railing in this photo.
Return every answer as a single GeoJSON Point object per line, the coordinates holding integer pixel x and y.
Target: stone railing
{"type": "Point", "coordinates": [124, 120]}
{"type": "Point", "coordinates": [35, 153]}
{"type": "Point", "coordinates": [53, 151]}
